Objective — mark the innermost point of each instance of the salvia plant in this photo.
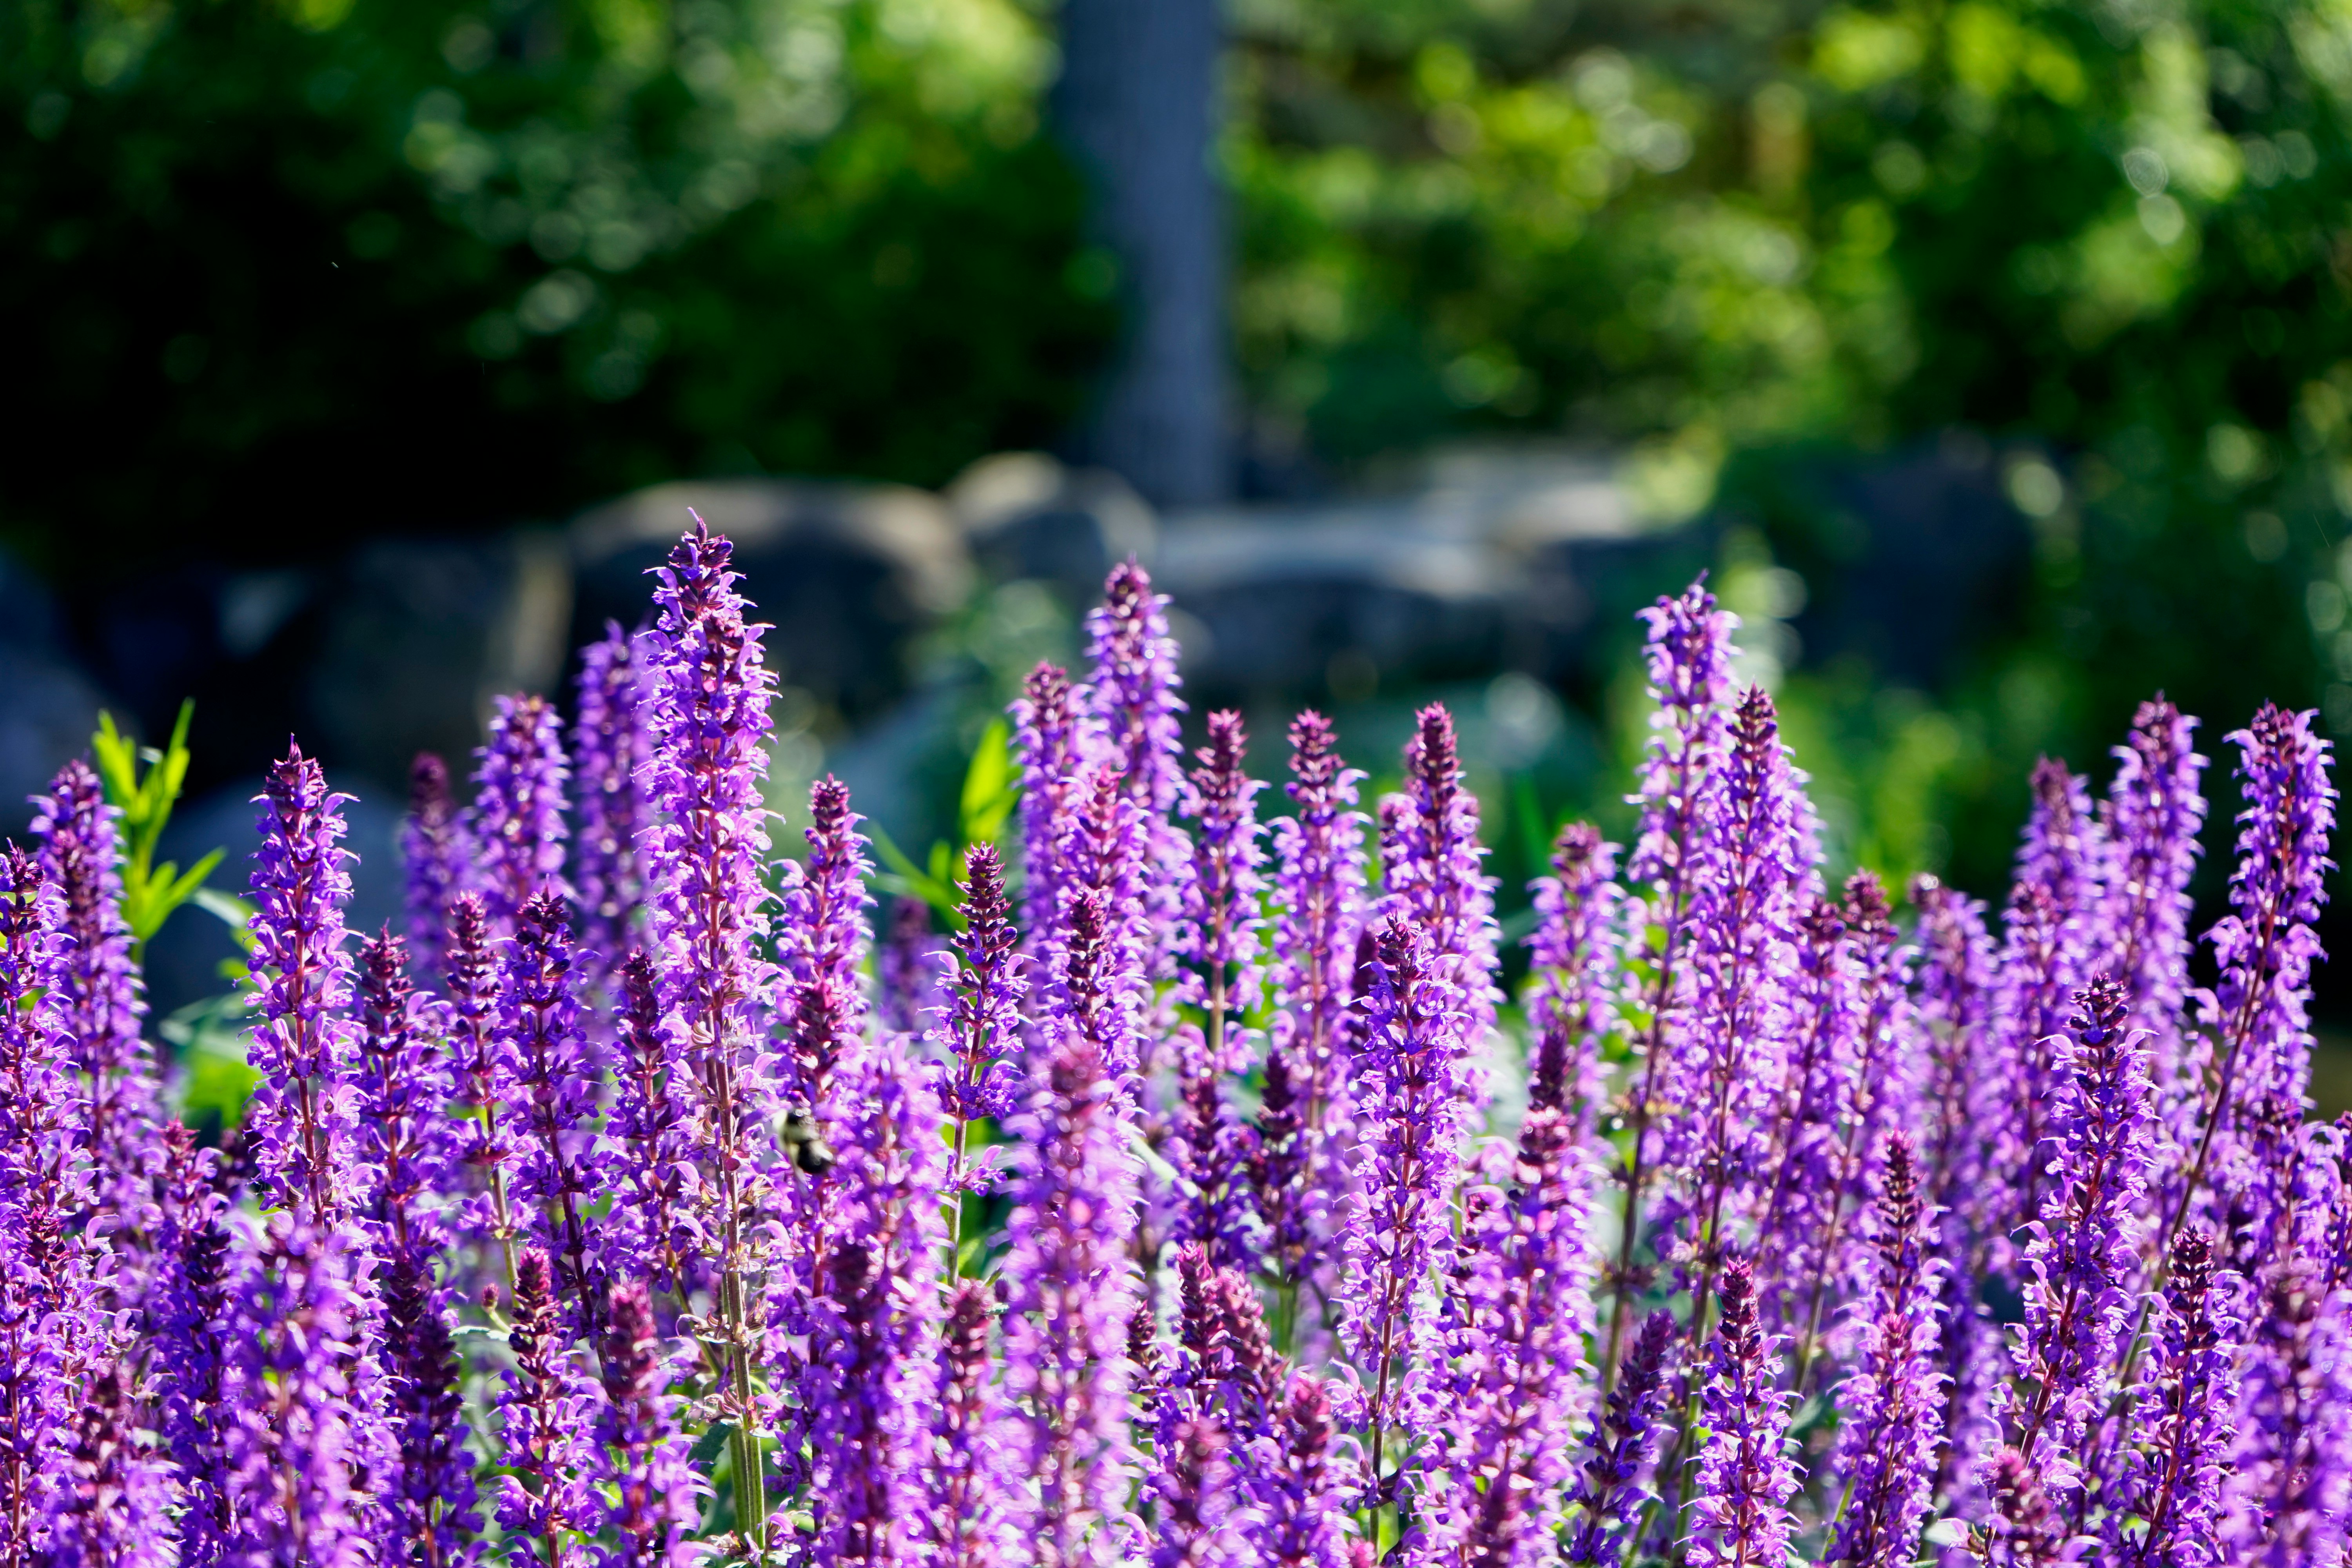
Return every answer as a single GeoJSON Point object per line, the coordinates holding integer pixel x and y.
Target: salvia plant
{"type": "Point", "coordinates": [1201, 1198]}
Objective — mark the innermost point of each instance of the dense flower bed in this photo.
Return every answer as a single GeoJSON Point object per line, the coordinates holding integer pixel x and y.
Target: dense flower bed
{"type": "Point", "coordinates": [636, 1207]}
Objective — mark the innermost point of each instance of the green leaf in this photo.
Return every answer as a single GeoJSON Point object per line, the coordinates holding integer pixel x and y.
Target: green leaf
{"type": "Point", "coordinates": [906, 876]}
{"type": "Point", "coordinates": [230, 911]}
{"type": "Point", "coordinates": [150, 893]}
{"type": "Point", "coordinates": [991, 787]}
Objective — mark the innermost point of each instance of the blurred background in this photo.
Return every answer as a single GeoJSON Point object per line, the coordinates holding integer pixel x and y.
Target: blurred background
{"type": "Point", "coordinates": [1992, 354]}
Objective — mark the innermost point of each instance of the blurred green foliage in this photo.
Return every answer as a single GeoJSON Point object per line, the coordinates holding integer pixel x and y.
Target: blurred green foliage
{"type": "Point", "coordinates": [325, 265]}
{"type": "Point", "coordinates": [2110, 238]}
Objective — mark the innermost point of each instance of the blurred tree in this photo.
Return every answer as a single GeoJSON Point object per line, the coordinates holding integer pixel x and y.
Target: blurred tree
{"type": "Point", "coordinates": [288, 269]}
{"type": "Point", "coordinates": [2099, 248]}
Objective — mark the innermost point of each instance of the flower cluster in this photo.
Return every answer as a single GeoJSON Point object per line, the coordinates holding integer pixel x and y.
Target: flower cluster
{"type": "Point", "coordinates": [636, 1207]}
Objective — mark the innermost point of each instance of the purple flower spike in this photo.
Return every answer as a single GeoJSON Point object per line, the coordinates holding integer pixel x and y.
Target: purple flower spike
{"type": "Point", "coordinates": [303, 1112]}
{"type": "Point", "coordinates": [433, 1511]}
{"type": "Point", "coordinates": [516, 827]}
{"type": "Point", "coordinates": [642, 1459]}
{"type": "Point", "coordinates": [1435, 868]}
{"type": "Point", "coordinates": [292, 1340]}
{"type": "Point", "coordinates": [905, 973]}
{"type": "Point", "coordinates": [1229, 1369]}
{"type": "Point", "coordinates": [402, 1133]}
{"type": "Point", "coordinates": [609, 750]}
{"type": "Point", "coordinates": [1511, 1396]}
{"type": "Point", "coordinates": [100, 1000]}
{"type": "Point", "coordinates": [2265, 947]}
{"type": "Point", "coordinates": [1300, 1487]}
{"type": "Point", "coordinates": [190, 1302]}
{"type": "Point", "coordinates": [547, 1080]}
{"type": "Point", "coordinates": [707, 907]}
{"type": "Point", "coordinates": [649, 1231]}
{"type": "Point", "coordinates": [109, 1508]}
{"type": "Point", "coordinates": [2286, 1500]}
{"type": "Point", "coordinates": [1411, 1104]}
{"type": "Point", "coordinates": [824, 939]}
{"type": "Point", "coordinates": [979, 1035]}
{"type": "Point", "coordinates": [2024, 1530]}
{"type": "Point", "coordinates": [486, 1144]}
{"type": "Point", "coordinates": [1891, 1410]}
{"type": "Point", "coordinates": [2185, 1408]}
{"type": "Point", "coordinates": [437, 857]}
{"type": "Point", "coordinates": [2151, 817]}
{"type": "Point", "coordinates": [1319, 914]}
{"type": "Point", "coordinates": [872, 1346]}
{"type": "Point", "coordinates": [1610, 1496]}
{"type": "Point", "coordinates": [2083, 1258]}
{"type": "Point", "coordinates": [1220, 901]}
{"type": "Point", "coordinates": [1744, 918]}
{"type": "Point", "coordinates": [2065, 851]}
{"type": "Point", "coordinates": [1739, 1506]}
{"type": "Point", "coordinates": [1055, 746]}
{"type": "Point", "coordinates": [1196, 1502]}
{"type": "Point", "coordinates": [1133, 704]}
{"type": "Point", "coordinates": [1070, 1292]}
{"type": "Point", "coordinates": [967, 1486]}
{"type": "Point", "coordinates": [544, 1499]}
{"type": "Point", "coordinates": [1574, 952]}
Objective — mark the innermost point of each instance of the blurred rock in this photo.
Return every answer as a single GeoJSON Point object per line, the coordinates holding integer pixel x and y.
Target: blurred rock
{"type": "Point", "coordinates": [1485, 563]}
{"type": "Point", "coordinates": [1025, 516]}
{"type": "Point", "coordinates": [51, 704]}
{"type": "Point", "coordinates": [845, 574]}
{"type": "Point", "coordinates": [415, 636]}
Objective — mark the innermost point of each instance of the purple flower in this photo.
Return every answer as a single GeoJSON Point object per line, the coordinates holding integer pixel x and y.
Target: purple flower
{"type": "Point", "coordinates": [822, 938]}
{"type": "Point", "coordinates": [1133, 704]}
{"type": "Point", "coordinates": [189, 1303]}
{"type": "Point", "coordinates": [706, 718]}
{"type": "Point", "coordinates": [108, 1509]}
{"type": "Point", "coordinates": [432, 1514]}
{"type": "Point", "coordinates": [293, 1339]}
{"type": "Point", "coordinates": [642, 1459]}
{"type": "Point", "coordinates": [1606, 1508]}
{"type": "Point", "coordinates": [1573, 957]}
{"type": "Point", "coordinates": [302, 1113]}
{"type": "Point", "coordinates": [979, 1034]}
{"type": "Point", "coordinates": [649, 1232]}
{"type": "Point", "coordinates": [1299, 1486]}
{"type": "Point", "coordinates": [1410, 1104]}
{"type": "Point", "coordinates": [1070, 1289]}
{"type": "Point", "coordinates": [402, 1133]}
{"type": "Point", "coordinates": [1434, 869]}
{"type": "Point", "coordinates": [1228, 1369]}
{"type": "Point", "coordinates": [2286, 1502]}
{"type": "Point", "coordinates": [2065, 851]}
{"type": "Point", "coordinates": [2024, 1075]}
{"type": "Point", "coordinates": [906, 977]}
{"type": "Point", "coordinates": [438, 859]}
{"type": "Point", "coordinates": [2023, 1530]}
{"type": "Point", "coordinates": [1055, 744]}
{"type": "Point", "coordinates": [968, 1489]}
{"type": "Point", "coordinates": [516, 829]}
{"type": "Point", "coordinates": [1743, 916]}
{"type": "Point", "coordinates": [1511, 1396]}
{"type": "Point", "coordinates": [1891, 1409]}
{"type": "Point", "coordinates": [1808, 1120]}
{"type": "Point", "coordinates": [609, 751]}
{"type": "Point", "coordinates": [486, 1144]}
{"type": "Point", "coordinates": [548, 1412]}
{"type": "Point", "coordinates": [2150, 819]}
{"type": "Point", "coordinates": [1196, 1496]}
{"type": "Point", "coordinates": [2184, 1416]}
{"type": "Point", "coordinates": [547, 1083]}
{"type": "Point", "coordinates": [101, 1001]}
{"type": "Point", "coordinates": [2265, 947]}
{"type": "Point", "coordinates": [869, 1392]}
{"type": "Point", "coordinates": [1740, 1506]}
{"type": "Point", "coordinates": [1319, 915]}
{"type": "Point", "coordinates": [2083, 1257]}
